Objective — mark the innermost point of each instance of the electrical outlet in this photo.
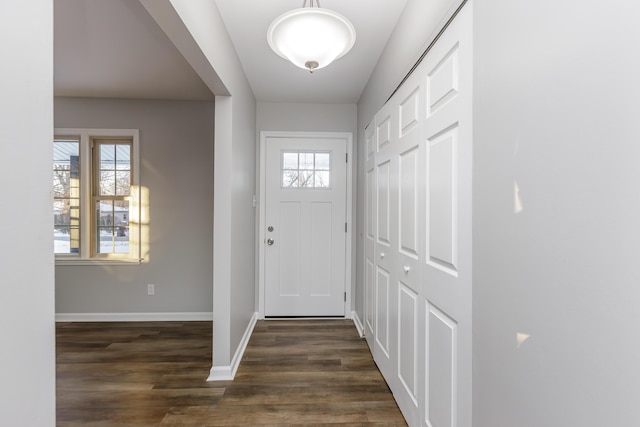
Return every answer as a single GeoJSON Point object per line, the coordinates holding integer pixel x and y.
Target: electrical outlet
{"type": "Point", "coordinates": [151, 289]}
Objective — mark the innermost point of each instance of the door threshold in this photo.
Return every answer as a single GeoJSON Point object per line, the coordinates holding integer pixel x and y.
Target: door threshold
{"type": "Point", "coordinates": [302, 317]}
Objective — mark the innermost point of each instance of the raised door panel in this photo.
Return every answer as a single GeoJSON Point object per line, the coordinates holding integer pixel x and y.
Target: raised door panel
{"type": "Point", "coordinates": [321, 249]}
{"type": "Point", "coordinates": [369, 296]}
{"type": "Point", "coordinates": [442, 201]}
{"type": "Point", "coordinates": [370, 133]}
{"type": "Point", "coordinates": [383, 214]}
{"type": "Point", "coordinates": [409, 204]}
{"type": "Point", "coordinates": [289, 253]}
{"type": "Point", "coordinates": [382, 313]}
{"type": "Point", "coordinates": [408, 342]}
{"type": "Point", "coordinates": [441, 361]}
{"type": "Point", "coordinates": [383, 132]}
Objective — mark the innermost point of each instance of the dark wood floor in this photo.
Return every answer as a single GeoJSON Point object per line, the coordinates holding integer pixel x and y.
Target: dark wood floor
{"type": "Point", "coordinates": [301, 372]}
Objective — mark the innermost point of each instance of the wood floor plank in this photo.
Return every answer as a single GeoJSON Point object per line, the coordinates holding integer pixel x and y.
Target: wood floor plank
{"type": "Point", "coordinates": [294, 373]}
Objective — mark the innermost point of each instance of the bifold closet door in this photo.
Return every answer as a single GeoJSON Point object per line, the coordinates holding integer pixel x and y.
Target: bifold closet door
{"type": "Point", "coordinates": [446, 281]}
{"type": "Point", "coordinates": [418, 235]}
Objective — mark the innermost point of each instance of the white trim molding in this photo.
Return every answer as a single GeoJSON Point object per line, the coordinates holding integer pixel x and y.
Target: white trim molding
{"type": "Point", "coordinates": [228, 372]}
{"type": "Point", "coordinates": [134, 317]}
{"type": "Point", "coordinates": [358, 323]}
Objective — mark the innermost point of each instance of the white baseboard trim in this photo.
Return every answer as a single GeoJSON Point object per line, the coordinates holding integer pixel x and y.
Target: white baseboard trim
{"type": "Point", "coordinates": [228, 372]}
{"type": "Point", "coordinates": [358, 323]}
{"type": "Point", "coordinates": [133, 317]}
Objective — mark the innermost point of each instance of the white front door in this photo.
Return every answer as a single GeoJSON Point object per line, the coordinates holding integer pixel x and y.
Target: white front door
{"type": "Point", "coordinates": [305, 226]}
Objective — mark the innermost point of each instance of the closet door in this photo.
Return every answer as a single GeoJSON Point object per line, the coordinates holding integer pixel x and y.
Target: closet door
{"type": "Point", "coordinates": [418, 235]}
{"type": "Point", "coordinates": [386, 239]}
{"type": "Point", "coordinates": [369, 239]}
{"type": "Point", "coordinates": [446, 283]}
{"type": "Point", "coordinates": [408, 249]}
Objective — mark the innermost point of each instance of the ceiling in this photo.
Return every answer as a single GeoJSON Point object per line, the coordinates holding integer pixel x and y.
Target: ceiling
{"type": "Point", "coordinates": [115, 49]}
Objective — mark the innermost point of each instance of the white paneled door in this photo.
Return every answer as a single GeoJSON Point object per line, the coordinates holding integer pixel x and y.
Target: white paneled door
{"type": "Point", "coordinates": [305, 226]}
{"type": "Point", "coordinates": [418, 234]}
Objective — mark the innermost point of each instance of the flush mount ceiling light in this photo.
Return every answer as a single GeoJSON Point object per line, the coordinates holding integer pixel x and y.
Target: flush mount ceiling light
{"type": "Point", "coordinates": [311, 37]}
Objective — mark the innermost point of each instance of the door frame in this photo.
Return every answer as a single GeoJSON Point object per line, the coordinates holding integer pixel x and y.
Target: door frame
{"type": "Point", "coordinates": [261, 199]}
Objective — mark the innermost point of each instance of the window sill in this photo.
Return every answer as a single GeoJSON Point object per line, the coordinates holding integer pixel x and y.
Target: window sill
{"type": "Point", "coordinates": [98, 261]}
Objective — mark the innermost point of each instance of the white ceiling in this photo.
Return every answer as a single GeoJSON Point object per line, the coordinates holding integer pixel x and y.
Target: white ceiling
{"type": "Point", "coordinates": [115, 49]}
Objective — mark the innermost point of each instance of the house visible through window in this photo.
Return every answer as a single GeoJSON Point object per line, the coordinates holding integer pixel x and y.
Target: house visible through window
{"type": "Point", "coordinates": [95, 186]}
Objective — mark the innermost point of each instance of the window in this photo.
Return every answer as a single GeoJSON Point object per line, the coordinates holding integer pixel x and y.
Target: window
{"type": "Point", "coordinates": [306, 169]}
{"type": "Point", "coordinates": [96, 196]}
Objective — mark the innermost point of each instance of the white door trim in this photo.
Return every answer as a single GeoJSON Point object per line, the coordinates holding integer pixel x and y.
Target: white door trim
{"type": "Point", "coordinates": [264, 135]}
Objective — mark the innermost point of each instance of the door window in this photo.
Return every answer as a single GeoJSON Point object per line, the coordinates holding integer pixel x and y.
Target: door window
{"type": "Point", "coordinates": [306, 169]}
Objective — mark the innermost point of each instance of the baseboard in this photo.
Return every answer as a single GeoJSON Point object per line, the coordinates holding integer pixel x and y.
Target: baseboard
{"type": "Point", "coordinates": [133, 317]}
{"type": "Point", "coordinates": [358, 323]}
{"type": "Point", "coordinates": [228, 372]}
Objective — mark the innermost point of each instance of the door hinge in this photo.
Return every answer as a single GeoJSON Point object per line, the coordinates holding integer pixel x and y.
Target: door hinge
{"type": "Point", "coordinates": [345, 227]}
{"type": "Point", "coordinates": [346, 158]}
{"type": "Point", "coordinates": [345, 296]}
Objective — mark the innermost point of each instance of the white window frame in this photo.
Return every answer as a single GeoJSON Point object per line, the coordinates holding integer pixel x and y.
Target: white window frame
{"type": "Point", "coordinates": [87, 229]}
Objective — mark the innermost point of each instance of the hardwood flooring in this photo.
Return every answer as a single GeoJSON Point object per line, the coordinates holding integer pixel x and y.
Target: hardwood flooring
{"type": "Point", "coordinates": [293, 373]}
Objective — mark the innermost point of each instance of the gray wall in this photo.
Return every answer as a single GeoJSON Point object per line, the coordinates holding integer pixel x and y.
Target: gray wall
{"type": "Point", "coordinates": [176, 168]}
{"type": "Point", "coordinates": [556, 110]}
{"type": "Point", "coordinates": [27, 352]}
{"type": "Point", "coordinates": [197, 30]}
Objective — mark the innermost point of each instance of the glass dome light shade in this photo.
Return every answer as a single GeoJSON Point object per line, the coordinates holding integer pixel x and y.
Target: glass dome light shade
{"type": "Point", "coordinates": [311, 36]}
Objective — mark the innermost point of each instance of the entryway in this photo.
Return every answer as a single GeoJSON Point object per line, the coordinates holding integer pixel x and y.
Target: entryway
{"type": "Point", "coordinates": [304, 224]}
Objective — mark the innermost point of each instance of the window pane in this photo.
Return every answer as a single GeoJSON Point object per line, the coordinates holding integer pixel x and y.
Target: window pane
{"type": "Point", "coordinates": [289, 160]}
{"type": "Point", "coordinates": [306, 160]}
{"type": "Point", "coordinates": [289, 179]}
{"type": "Point", "coordinates": [123, 183]}
{"type": "Point", "coordinates": [123, 156]}
{"type": "Point", "coordinates": [306, 179]}
{"type": "Point", "coordinates": [107, 157]}
{"type": "Point", "coordinates": [107, 183]}
{"type": "Point", "coordinates": [105, 240]}
{"type": "Point", "coordinates": [115, 169]}
{"type": "Point", "coordinates": [66, 196]}
{"type": "Point", "coordinates": [323, 161]}
{"type": "Point", "coordinates": [113, 226]}
{"type": "Point", "coordinates": [322, 179]}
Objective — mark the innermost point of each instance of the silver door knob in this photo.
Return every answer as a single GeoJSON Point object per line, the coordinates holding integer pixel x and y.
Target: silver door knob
{"type": "Point", "coordinates": [407, 269]}
{"type": "Point", "coordinates": [270, 242]}
{"type": "Point", "coordinates": [381, 254]}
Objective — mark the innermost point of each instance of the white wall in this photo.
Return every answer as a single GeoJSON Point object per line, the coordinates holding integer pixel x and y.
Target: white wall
{"type": "Point", "coordinates": [197, 30]}
{"type": "Point", "coordinates": [176, 173]}
{"type": "Point", "coordinates": [282, 116]}
{"type": "Point", "coordinates": [27, 355]}
{"type": "Point", "coordinates": [556, 111]}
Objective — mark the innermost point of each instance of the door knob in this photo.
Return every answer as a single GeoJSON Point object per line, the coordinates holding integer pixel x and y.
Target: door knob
{"type": "Point", "coordinates": [270, 242]}
{"type": "Point", "coordinates": [381, 254]}
{"type": "Point", "coordinates": [407, 269]}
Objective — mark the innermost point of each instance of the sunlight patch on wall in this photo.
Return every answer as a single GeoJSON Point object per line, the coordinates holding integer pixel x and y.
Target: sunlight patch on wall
{"type": "Point", "coordinates": [140, 216]}
{"type": "Point", "coordinates": [521, 338]}
{"type": "Point", "coordinates": [517, 201]}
